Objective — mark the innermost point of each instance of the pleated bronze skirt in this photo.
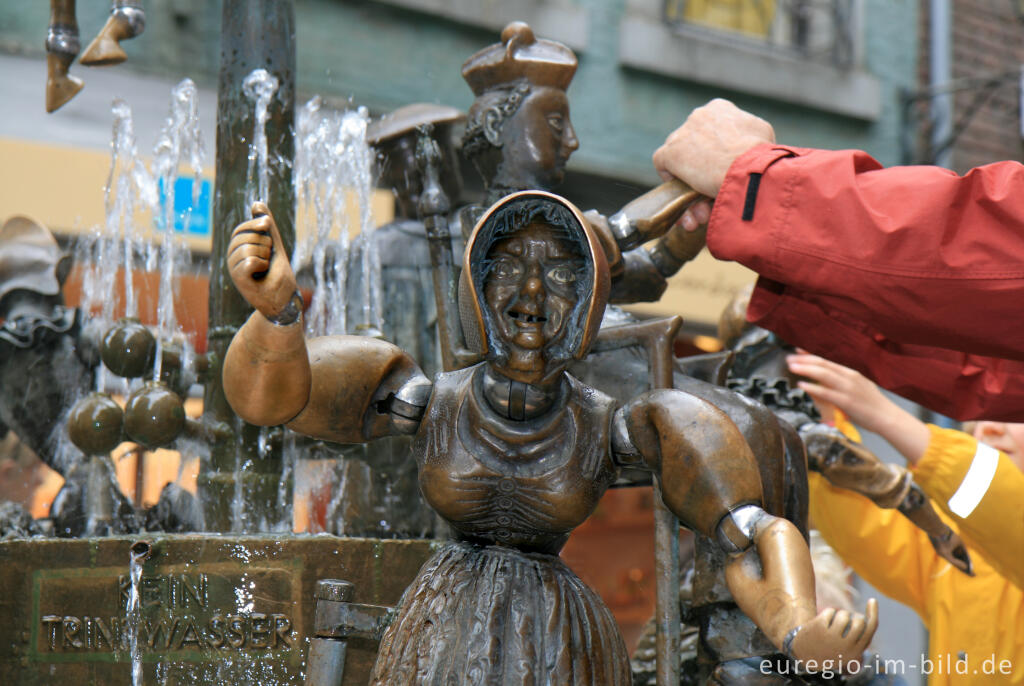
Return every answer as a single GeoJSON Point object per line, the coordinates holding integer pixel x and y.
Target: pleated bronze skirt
{"type": "Point", "coordinates": [490, 615]}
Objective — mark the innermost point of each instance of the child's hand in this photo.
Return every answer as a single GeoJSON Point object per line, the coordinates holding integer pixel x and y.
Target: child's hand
{"type": "Point", "coordinates": [862, 401]}
{"type": "Point", "coordinates": [831, 383]}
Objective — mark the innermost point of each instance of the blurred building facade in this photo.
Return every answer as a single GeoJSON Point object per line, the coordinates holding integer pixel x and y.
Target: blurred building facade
{"type": "Point", "coordinates": [827, 73]}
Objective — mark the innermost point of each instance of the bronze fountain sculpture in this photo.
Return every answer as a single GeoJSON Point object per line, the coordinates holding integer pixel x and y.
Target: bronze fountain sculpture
{"type": "Point", "coordinates": [514, 453]}
{"type": "Point", "coordinates": [758, 537]}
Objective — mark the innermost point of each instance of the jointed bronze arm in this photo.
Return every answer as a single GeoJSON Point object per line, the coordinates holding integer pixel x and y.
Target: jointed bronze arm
{"type": "Point", "coordinates": [711, 482]}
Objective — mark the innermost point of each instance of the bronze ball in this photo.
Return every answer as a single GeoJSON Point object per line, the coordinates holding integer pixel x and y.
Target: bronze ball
{"type": "Point", "coordinates": [154, 415]}
{"type": "Point", "coordinates": [95, 424]}
{"type": "Point", "coordinates": [129, 349]}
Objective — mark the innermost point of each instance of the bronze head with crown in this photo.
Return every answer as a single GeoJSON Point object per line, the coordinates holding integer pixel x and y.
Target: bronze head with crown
{"type": "Point", "coordinates": [518, 132]}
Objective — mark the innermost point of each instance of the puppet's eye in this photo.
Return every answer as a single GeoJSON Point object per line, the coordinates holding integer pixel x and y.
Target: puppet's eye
{"type": "Point", "coordinates": [506, 268]}
{"type": "Point", "coordinates": [561, 275]}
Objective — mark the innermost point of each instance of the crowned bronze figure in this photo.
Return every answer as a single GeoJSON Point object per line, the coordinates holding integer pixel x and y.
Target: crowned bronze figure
{"type": "Point", "coordinates": [514, 453]}
{"type": "Point", "coordinates": [518, 132]}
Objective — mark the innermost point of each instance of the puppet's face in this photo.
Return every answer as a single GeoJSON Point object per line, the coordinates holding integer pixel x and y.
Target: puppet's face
{"type": "Point", "coordinates": [539, 138]}
{"type": "Point", "coordinates": [531, 289]}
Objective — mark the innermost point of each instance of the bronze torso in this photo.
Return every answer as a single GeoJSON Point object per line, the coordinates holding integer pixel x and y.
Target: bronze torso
{"type": "Point", "coordinates": [524, 484]}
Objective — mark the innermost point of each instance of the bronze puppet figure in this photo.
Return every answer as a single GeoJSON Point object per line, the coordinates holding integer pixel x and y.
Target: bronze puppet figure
{"type": "Point", "coordinates": [514, 453]}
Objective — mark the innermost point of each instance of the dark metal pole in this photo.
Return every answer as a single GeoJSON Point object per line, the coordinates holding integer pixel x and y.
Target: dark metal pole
{"type": "Point", "coordinates": [666, 533]}
{"type": "Point", "coordinates": [255, 34]}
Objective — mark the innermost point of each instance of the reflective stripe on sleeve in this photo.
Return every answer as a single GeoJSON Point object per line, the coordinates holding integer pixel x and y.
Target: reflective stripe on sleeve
{"type": "Point", "coordinates": [976, 482]}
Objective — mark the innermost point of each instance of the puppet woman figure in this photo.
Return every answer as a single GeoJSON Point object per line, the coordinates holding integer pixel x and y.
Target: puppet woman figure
{"type": "Point", "coordinates": [515, 453]}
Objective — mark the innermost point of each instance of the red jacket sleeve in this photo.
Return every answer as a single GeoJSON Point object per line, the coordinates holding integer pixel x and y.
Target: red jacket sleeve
{"type": "Point", "coordinates": [912, 275]}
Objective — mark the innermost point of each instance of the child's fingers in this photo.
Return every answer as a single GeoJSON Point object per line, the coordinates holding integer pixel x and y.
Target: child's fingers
{"type": "Point", "coordinates": [813, 370]}
{"type": "Point", "coordinates": [822, 393]}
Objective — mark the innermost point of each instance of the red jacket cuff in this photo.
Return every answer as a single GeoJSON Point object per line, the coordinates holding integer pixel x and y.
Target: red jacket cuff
{"type": "Point", "coordinates": [742, 227]}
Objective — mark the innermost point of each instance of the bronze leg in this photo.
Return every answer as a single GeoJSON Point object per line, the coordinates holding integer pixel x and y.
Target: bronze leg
{"type": "Point", "coordinates": [916, 507]}
{"type": "Point", "coordinates": [126, 20]}
{"type": "Point", "coordinates": [62, 47]}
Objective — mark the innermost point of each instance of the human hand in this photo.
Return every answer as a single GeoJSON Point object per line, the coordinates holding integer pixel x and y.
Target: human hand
{"type": "Point", "coordinates": [833, 384]}
{"type": "Point", "coordinates": [696, 215]}
{"type": "Point", "coordinates": [834, 637]}
{"type": "Point", "coordinates": [701, 151]}
{"type": "Point", "coordinates": [258, 264]}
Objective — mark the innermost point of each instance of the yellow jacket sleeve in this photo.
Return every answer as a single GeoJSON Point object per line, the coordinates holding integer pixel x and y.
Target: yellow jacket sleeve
{"type": "Point", "coordinates": [882, 546]}
{"type": "Point", "coordinates": [982, 491]}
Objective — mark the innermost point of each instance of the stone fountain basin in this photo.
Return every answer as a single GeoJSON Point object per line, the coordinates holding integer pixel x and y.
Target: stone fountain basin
{"type": "Point", "coordinates": [215, 608]}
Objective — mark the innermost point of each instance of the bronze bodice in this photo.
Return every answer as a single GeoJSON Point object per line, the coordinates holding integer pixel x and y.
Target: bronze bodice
{"type": "Point", "coordinates": [524, 484]}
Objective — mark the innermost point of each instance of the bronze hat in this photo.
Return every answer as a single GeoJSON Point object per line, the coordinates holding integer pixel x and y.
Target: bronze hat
{"type": "Point", "coordinates": [30, 258]}
{"type": "Point", "coordinates": [520, 55]}
{"type": "Point", "coordinates": [406, 118]}
{"type": "Point", "coordinates": [586, 320]}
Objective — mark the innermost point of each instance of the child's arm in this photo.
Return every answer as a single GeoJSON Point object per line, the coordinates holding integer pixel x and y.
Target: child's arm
{"type": "Point", "coordinates": [980, 489]}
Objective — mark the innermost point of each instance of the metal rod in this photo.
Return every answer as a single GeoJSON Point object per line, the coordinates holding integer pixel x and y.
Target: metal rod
{"type": "Point", "coordinates": [433, 209]}
{"type": "Point", "coordinates": [666, 531]}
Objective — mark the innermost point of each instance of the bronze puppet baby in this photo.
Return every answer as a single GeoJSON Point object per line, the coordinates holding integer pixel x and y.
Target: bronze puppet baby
{"type": "Point", "coordinates": [515, 453]}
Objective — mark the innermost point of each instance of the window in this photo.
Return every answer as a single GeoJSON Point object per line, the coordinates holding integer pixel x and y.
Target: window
{"type": "Point", "coordinates": [817, 30]}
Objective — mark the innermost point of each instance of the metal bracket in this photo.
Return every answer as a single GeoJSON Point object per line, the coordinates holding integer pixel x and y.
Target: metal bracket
{"type": "Point", "coordinates": [335, 620]}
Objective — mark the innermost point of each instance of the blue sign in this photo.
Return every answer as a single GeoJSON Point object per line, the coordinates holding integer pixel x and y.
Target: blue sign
{"type": "Point", "coordinates": [199, 217]}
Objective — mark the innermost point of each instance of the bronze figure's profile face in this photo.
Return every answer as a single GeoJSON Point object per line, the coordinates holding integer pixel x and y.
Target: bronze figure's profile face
{"type": "Point", "coordinates": [531, 287]}
{"type": "Point", "coordinates": [518, 134]}
{"type": "Point", "coordinates": [539, 138]}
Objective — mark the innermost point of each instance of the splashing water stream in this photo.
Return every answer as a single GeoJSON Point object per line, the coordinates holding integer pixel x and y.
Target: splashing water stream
{"type": "Point", "coordinates": [130, 188]}
{"type": "Point", "coordinates": [333, 171]}
{"type": "Point", "coordinates": [133, 611]}
{"type": "Point", "coordinates": [259, 86]}
{"type": "Point", "coordinates": [180, 142]}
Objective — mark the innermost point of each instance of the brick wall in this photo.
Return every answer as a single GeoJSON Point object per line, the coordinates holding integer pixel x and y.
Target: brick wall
{"type": "Point", "coordinates": [988, 39]}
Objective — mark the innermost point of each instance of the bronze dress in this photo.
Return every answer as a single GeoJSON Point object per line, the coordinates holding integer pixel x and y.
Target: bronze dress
{"type": "Point", "coordinates": [498, 606]}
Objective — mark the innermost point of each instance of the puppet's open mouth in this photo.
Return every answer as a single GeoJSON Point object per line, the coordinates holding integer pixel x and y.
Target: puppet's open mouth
{"type": "Point", "coordinates": [527, 318]}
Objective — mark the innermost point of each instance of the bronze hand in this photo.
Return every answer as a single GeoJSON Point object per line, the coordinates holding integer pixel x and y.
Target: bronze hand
{"type": "Point", "coordinates": [259, 267]}
{"type": "Point", "coordinates": [778, 594]}
{"type": "Point", "coordinates": [837, 635]}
